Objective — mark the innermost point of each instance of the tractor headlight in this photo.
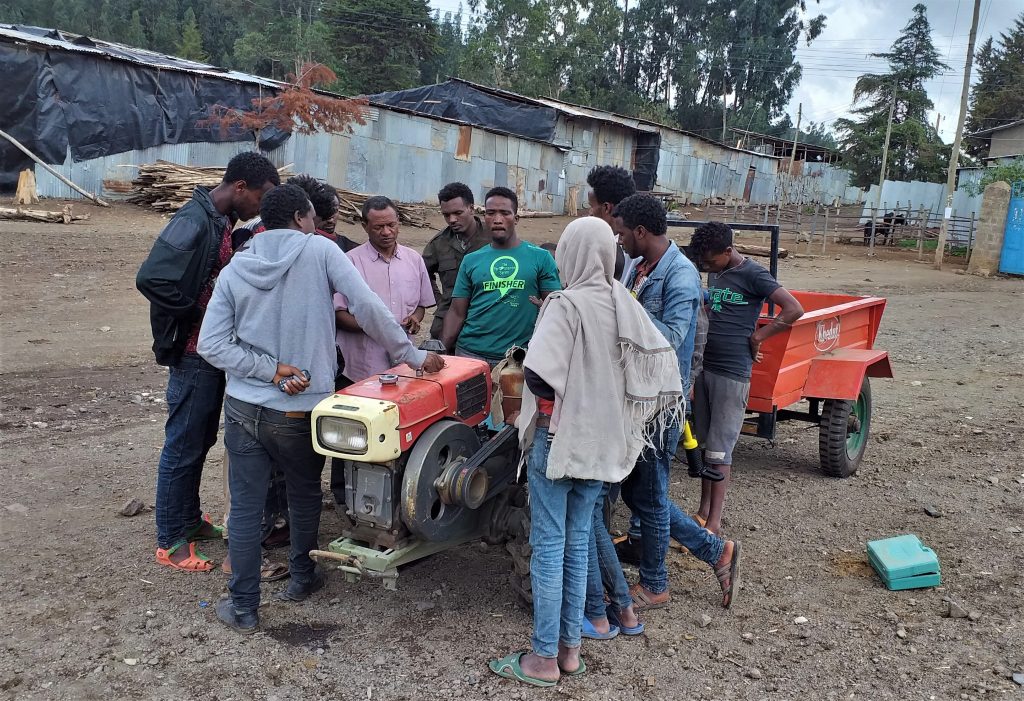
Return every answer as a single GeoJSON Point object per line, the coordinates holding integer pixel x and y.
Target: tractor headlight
{"type": "Point", "coordinates": [342, 435]}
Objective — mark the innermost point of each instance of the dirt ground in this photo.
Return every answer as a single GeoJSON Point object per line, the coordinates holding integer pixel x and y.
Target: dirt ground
{"type": "Point", "coordinates": [87, 614]}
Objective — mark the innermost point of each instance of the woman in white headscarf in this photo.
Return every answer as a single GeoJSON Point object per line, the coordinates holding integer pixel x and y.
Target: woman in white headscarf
{"type": "Point", "coordinates": [601, 383]}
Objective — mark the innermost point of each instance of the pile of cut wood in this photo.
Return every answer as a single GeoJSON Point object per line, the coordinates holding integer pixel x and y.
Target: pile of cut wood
{"type": "Point", "coordinates": [352, 207]}
{"type": "Point", "coordinates": [166, 187]}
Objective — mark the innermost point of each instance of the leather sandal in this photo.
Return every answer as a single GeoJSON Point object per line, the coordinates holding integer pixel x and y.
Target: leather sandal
{"type": "Point", "coordinates": [644, 600]}
{"type": "Point", "coordinates": [730, 573]}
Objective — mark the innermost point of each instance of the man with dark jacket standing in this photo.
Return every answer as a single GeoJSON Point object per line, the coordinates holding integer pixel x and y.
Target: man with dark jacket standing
{"type": "Point", "coordinates": [443, 254]}
{"type": "Point", "coordinates": [178, 278]}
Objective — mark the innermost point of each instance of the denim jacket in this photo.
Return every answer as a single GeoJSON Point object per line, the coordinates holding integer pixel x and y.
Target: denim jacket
{"type": "Point", "coordinates": [671, 295]}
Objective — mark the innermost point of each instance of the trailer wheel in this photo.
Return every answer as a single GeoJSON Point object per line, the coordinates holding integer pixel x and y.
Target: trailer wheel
{"type": "Point", "coordinates": [843, 433]}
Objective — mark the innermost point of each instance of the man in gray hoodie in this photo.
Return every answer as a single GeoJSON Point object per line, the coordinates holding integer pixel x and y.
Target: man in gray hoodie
{"type": "Point", "coordinates": [270, 319]}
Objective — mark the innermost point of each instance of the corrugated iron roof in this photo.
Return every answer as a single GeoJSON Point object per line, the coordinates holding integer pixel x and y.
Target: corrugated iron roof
{"type": "Point", "coordinates": [66, 41]}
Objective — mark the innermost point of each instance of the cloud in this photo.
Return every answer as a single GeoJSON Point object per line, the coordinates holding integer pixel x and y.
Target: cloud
{"type": "Point", "coordinates": [856, 29]}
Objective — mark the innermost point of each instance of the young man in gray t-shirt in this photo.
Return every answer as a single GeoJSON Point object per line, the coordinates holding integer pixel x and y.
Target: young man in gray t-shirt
{"type": "Point", "coordinates": [738, 288]}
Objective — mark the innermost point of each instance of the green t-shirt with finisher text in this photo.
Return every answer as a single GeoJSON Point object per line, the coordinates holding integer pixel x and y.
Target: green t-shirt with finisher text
{"type": "Point", "coordinates": [499, 284]}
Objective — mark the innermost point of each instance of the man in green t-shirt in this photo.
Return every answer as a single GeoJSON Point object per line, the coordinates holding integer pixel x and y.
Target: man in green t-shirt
{"type": "Point", "coordinates": [493, 304]}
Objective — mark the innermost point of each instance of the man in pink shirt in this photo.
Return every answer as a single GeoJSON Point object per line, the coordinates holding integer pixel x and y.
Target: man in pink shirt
{"type": "Point", "coordinates": [396, 274]}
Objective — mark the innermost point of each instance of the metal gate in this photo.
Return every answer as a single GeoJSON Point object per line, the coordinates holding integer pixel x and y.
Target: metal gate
{"type": "Point", "coordinates": [1011, 259]}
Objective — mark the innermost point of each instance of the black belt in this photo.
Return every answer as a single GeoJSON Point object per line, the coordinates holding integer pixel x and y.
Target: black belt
{"type": "Point", "coordinates": [251, 410]}
{"type": "Point", "coordinates": [543, 420]}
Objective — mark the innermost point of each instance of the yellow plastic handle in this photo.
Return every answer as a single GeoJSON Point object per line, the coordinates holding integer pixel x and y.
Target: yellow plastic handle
{"type": "Point", "coordinates": [689, 442]}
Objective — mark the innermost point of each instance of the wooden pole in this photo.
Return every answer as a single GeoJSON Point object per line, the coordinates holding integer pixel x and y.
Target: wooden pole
{"type": "Point", "coordinates": [34, 157]}
{"type": "Point", "coordinates": [921, 223]}
{"type": "Point", "coordinates": [954, 156]}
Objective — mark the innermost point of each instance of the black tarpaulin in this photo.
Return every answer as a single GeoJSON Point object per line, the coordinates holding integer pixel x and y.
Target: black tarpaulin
{"type": "Point", "coordinates": [58, 98]}
{"type": "Point", "coordinates": [461, 102]}
{"type": "Point", "coordinates": [645, 164]}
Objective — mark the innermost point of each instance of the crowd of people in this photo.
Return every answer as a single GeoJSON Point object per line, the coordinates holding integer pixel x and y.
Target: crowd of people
{"type": "Point", "coordinates": [618, 329]}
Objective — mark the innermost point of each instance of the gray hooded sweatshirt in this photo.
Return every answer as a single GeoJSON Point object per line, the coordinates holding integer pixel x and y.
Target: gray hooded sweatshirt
{"type": "Point", "coordinates": [273, 303]}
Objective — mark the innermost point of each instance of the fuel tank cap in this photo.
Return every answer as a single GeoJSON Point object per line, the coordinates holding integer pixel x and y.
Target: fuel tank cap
{"type": "Point", "coordinates": [389, 379]}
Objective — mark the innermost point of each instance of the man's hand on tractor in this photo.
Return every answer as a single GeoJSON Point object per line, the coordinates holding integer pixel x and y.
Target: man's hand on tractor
{"type": "Point", "coordinates": [433, 363]}
{"type": "Point", "coordinates": [290, 379]}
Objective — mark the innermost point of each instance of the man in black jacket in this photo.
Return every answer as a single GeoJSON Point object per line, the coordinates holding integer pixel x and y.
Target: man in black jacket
{"type": "Point", "coordinates": [178, 278]}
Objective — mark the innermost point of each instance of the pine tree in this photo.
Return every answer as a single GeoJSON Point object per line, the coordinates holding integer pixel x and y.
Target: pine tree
{"type": "Point", "coordinates": [191, 44]}
{"type": "Point", "coordinates": [381, 43]}
{"type": "Point", "coordinates": [164, 34]}
{"type": "Point", "coordinates": [114, 19]}
{"type": "Point", "coordinates": [915, 150]}
{"type": "Point", "coordinates": [135, 35]}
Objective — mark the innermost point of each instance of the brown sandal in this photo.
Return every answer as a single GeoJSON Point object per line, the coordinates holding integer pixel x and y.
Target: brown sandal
{"type": "Point", "coordinates": [730, 573]}
{"type": "Point", "coordinates": [644, 600]}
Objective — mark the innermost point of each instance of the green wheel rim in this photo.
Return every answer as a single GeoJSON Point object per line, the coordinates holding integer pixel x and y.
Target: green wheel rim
{"type": "Point", "coordinates": [855, 439]}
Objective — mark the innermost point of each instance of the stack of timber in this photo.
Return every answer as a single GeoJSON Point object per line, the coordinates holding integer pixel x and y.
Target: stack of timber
{"type": "Point", "coordinates": [166, 187]}
{"type": "Point", "coordinates": [351, 208]}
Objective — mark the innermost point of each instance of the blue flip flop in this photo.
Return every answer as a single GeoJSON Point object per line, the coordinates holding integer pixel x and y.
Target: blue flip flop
{"type": "Point", "coordinates": [613, 618]}
{"type": "Point", "coordinates": [589, 631]}
{"type": "Point", "coordinates": [509, 668]}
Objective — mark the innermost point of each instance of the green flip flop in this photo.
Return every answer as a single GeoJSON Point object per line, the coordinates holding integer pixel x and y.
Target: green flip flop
{"type": "Point", "coordinates": [509, 668]}
{"type": "Point", "coordinates": [582, 669]}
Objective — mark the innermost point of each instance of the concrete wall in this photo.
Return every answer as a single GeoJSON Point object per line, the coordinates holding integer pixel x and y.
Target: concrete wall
{"type": "Point", "coordinates": [1008, 142]}
{"type": "Point", "coordinates": [991, 227]}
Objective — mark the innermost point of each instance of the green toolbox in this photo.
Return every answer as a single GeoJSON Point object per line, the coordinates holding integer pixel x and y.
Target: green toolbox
{"type": "Point", "coordinates": [904, 562]}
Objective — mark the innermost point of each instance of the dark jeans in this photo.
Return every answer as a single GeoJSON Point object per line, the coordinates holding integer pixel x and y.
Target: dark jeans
{"type": "Point", "coordinates": [338, 464]}
{"type": "Point", "coordinates": [195, 392]}
{"type": "Point", "coordinates": [257, 438]}
{"type": "Point", "coordinates": [645, 492]}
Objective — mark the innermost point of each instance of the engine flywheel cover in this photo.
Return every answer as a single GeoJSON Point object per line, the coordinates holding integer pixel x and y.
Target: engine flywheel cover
{"type": "Point", "coordinates": [424, 513]}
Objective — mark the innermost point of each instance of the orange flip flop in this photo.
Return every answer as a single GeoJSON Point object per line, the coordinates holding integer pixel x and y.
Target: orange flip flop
{"type": "Point", "coordinates": [195, 562]}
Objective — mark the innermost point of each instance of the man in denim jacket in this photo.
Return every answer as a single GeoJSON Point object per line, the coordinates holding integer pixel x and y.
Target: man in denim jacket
{"type": "Point", "coordinates": [668, 286]}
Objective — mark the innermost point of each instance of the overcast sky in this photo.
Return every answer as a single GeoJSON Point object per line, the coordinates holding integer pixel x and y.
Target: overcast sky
{"type": "Point", "coordinates": [857, 28]}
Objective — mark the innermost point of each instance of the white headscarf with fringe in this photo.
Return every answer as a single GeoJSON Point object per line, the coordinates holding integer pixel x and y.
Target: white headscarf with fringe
{"type": "Point", "coordinates": [616, 379]}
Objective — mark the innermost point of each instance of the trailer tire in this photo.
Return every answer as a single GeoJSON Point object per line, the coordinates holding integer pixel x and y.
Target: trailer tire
{"type": "Point", "coordinates": [843, 433]}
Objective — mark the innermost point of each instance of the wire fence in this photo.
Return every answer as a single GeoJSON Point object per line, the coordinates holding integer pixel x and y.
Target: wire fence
{"type": "Point", "coordinates": [899, 227]}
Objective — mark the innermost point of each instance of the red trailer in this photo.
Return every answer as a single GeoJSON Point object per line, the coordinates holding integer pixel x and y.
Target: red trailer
{"type": "Point", "coordinates": [826, 359]}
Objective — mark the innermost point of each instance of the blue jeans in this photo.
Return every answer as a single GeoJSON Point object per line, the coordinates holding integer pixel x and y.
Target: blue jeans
{"type": "Point", "coordinates": [257, 439]}
{"type": "Point", "coordinates": [604, 570]}
{"type": "Point", "coordinates": [195, 393]}
{"type": "Point", "coordinates": [645, 491]}
{"type": "Point", "coordinates": [561, 512]}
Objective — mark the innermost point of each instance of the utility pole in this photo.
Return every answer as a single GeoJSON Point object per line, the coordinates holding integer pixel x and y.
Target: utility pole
{"type": "Point", "coordinates": [954, 156]}
{"type": "Point", "coordinates": [792, 155]}
{"type": "Point", "coordinates": [881, 176]}
{"type": "Point", "coordinates": [725, 108]}
{"type": "Point", "coordinates": [622, 41]}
